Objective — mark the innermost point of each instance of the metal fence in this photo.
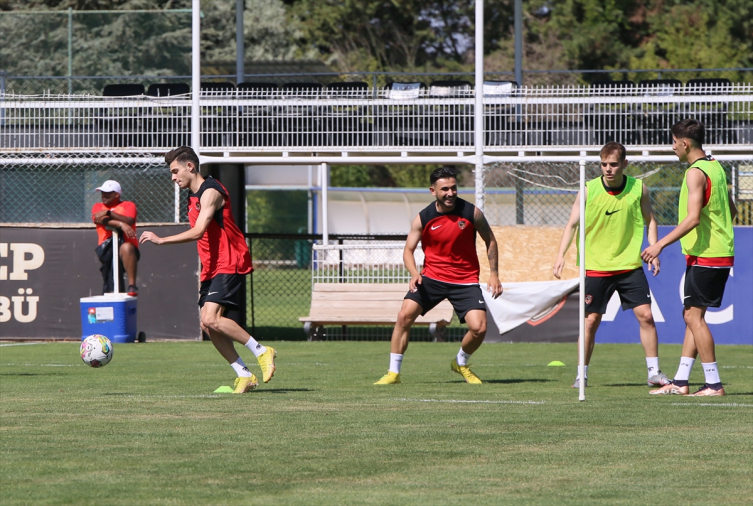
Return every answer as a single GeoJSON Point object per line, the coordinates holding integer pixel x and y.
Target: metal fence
{"type": "Point", "coordinates": [286, 266]}
{"type": "Point", "coordinates": [60, 188]}
{"type": "Point", "coordinates": [403, 117]}
{"type": "Point", "coordinates": [93, 85]}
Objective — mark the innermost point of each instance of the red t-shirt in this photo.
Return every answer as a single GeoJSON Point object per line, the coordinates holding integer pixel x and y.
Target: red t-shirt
{"type": "Point", "coordinates": [125, 208]}
{"type": "Point", "coordinates": [449, 244]}
{"type": "Point", "coordinates": [222, 248]}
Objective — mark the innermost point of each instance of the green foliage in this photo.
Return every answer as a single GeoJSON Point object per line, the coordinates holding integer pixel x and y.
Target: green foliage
{"type": "Point", "coordinates": [283, 212]}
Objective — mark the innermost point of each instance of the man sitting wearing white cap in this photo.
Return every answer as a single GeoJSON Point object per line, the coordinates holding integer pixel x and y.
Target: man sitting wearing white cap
{"type": "Point", "coordinates": [115, 214]}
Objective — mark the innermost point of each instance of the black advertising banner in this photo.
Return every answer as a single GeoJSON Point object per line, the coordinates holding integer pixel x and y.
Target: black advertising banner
{"type": "Point", "coordinates": [44, 272]}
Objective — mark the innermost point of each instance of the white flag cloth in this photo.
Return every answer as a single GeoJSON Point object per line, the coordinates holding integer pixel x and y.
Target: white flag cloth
{"type": "Point", "coordinates": [522, 301]}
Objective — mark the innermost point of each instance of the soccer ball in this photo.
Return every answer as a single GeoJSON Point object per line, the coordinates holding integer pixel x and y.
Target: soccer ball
{"type": "Point", "coordinates": [96, 350]}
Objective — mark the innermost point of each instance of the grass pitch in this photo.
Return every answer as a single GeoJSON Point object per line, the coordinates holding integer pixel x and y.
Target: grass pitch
{"type": "Point", "coordinates": [147, 429]}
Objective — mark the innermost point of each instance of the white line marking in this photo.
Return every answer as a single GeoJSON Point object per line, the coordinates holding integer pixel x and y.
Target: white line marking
{"type": "Point", "coordinates": [730, 404]}
{"type": "Point", "coordinates": [737, 367]}
{"type": "Point", "coordinates": [461, 401]}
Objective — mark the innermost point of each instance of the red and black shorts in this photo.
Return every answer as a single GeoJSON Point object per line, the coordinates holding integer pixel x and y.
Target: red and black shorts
{"type": "Point", "coordinates": [463, 298]}
{"type": "Point", "coordinates": [631, 286]}
{"type": "Point", "coordinates": [704, 286]}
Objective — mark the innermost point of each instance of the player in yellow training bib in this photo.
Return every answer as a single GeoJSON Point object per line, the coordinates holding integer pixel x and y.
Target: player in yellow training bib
{"type": "Point", "coordinates": [617, 209]}
{"type": "Point", "coordinates": [705, 213]}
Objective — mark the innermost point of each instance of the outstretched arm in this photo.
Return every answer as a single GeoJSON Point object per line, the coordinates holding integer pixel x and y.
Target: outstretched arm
{"type": "Point", "coordinates": [696, 181]}
{"type": "Point", "coordinates": [653, 229]}
{"type": "Point", "coordinates": [492, 252]}
{"type": "Point", "coordinates": [567, 237]}
{"type": "Point", "coordinates": [211, 201]}
{"type": "Point", "coordinates": [414, 236]}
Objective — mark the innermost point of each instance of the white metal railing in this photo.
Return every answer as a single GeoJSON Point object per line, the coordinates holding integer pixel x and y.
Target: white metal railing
{"type": "Point", "coordinates": [361, 262]}
{"type": "Point", "coordinates": [437, 119]}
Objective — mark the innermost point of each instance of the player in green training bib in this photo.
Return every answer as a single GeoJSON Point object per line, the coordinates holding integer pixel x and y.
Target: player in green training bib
{"type": "Point", "coordinates": [618, 207]}
{"type": "Point", "coordinates": [704, 229]}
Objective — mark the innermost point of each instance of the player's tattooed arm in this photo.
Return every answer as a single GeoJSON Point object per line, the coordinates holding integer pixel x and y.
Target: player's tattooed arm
{"type": "Point", "coordinates": [492, 253]}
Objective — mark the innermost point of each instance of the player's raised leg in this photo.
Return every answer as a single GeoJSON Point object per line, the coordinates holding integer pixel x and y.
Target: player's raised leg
{"type": "Point", "coordinates": [476, 320]}
{"type": "Point", "coordinates": [409, 311]}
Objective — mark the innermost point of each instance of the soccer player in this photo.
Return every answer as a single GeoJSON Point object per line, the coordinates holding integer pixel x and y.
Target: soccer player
{"type": "Point", "coordinates": [447, 230]}
{"type": "Point", "coordinates": [225, 261]}
{"type": "Point", "coordinates": [115, 214]}
{"type": "Point", "coordinates": [617, 209]}
{"type": "Point", "coordinates": [705, 232]}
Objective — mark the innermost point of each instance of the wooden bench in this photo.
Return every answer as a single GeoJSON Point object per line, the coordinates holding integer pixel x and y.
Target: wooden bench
{"type": "Point", "coordinates": [366, 304]}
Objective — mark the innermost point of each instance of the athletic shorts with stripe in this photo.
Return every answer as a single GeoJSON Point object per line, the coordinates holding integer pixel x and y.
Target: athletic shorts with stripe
{"type": "Point", "coordinates": [632, 288]}
{"type": "Point", "coordinates": [704, 286]}
{"type": "Point", "coordinates": [463, 298]}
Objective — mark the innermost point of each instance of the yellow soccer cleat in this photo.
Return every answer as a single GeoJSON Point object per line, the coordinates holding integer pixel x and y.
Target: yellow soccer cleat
{"type": "Point", "coordinates": [267, 364]}
{"type": "Point", "coordinates": [243, 384]}
{"type": "Point", "coordinates": [465, 372]}
{"type": "Point", "coordinates": [391, 378]}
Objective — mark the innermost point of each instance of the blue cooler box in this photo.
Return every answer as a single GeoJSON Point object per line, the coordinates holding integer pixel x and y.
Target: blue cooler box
{"type": "Point", "coordinates": [112, 315]}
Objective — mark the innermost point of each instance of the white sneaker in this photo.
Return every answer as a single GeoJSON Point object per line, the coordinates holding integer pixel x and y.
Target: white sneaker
{"type": "Point", "coordinates": [577, 382]}
{"type": "Point", "coordinates": [659, 380]}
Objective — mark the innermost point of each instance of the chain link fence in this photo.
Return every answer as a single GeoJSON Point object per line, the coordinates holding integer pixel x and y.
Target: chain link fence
{"type": "Point", "coordinates": [542, 193]}
{"type": "Point", "coordinates": [60, 188]}
{"type": "Point", "coordinates": [286, 266]}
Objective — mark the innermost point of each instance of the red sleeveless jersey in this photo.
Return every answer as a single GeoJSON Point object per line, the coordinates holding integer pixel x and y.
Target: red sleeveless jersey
{"type": "Point", "coordinates": [222, 248]}
{"type": "Point", "coordinates": [449, 244]}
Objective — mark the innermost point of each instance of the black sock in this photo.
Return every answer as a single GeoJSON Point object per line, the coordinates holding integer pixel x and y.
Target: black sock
{"type": "Point", "coordinates": [680, 383]}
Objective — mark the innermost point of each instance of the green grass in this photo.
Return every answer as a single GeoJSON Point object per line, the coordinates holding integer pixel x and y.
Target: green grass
{"type": "Point", "coordinates": [147, 429]}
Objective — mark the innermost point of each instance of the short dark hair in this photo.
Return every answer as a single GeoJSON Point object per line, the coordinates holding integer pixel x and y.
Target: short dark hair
{"type": "Point", "coordinates": [613, 147]}
{"type": "Point", "coordinates": [442, 173]}
{"type": "Point", "coordinates": [690, 129]}
{"type": "Point", "coordinates": [182, 154]}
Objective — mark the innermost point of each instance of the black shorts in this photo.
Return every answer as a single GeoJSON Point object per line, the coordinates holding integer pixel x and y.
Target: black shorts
{"type": "Point", "coordinates": [704, 286]}
{"type": "Point", "coordinates": [631, 286]}
{"type": "Point", "coordinates": [463, 298]}
{"type": "Point", "coordinates": [223, 289]}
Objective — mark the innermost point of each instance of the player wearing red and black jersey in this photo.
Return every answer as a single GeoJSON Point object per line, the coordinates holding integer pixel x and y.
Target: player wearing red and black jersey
{"type": "Point", "coordinates": [447, 231]}
{"type": "Point", "coordinates": [225, 260]}
{"type": "Point", "coordinates": [705, 213]}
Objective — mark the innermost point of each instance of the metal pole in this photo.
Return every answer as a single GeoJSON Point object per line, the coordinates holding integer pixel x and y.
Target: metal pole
{"type": "Point", "coordinates": [115, 263]}
{"type": "Point", "coordinates": [582, 286]}
{"type": "Point", "coordinates": [324, 174]}
{"type": "Point", "coordinates": [177, 203]}
{"type": "Point", "coordinates": [240, 50]}
{"type": "Point", "coordinates": [70, 50]}
{"type": "Point", "coordinates": [519, 42]}
{"type": "Point", "coordinates": [195, 74]}
{"type": "Point", "coordinates": [310, 203]}
{"type": "Point", "coordinates": [478, 113]}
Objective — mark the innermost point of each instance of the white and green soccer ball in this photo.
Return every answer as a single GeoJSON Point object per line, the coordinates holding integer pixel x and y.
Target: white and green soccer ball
{"type": "Point", "coordinates": [96, 350]}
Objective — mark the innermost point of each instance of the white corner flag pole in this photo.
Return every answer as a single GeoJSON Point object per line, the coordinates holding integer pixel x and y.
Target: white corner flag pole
{"type": "Point", "coordinates": [115, 263]}
{"type": "Point", "coordinates": [582, 285]}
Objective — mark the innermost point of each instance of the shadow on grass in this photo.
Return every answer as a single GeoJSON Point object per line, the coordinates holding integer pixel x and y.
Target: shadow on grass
{"type": "Point", "coordinates": [283, 390]}
{"type": "Point", "coordinates": [32, 374]}
{"type": "Point", "coordinates": [498, 381]}
{"type": "Point", "coordinates": [629, 385]}
{"type": "Point", "coordinates": [741, 393]}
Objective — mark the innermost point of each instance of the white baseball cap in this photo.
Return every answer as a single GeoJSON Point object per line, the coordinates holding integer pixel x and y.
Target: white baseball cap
{"type": "Point", "coordinates": [110, 186]}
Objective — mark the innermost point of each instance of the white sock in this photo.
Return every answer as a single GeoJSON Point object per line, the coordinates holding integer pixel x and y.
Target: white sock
{"type": "Point", "coordinates": [256, 348]}
{"type": "Point", "coordinates": [577, 376]}
{"type": "Point", "coordinates": [683, 371]}
{"type": "Point", "coordinates": [712, 373]}
{"type": "Point", "coordinates": [463, 357]}
{"type": "Point", "coordinates": [652, 364]}
{"type": "Point", "coordinates": [240, 368]}
{"type": "Point", "coordinates": [396, 361]}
